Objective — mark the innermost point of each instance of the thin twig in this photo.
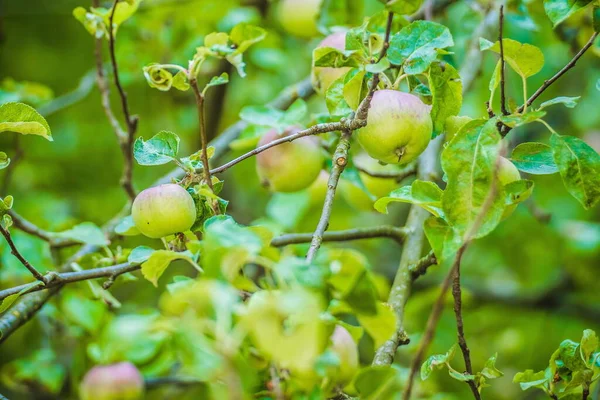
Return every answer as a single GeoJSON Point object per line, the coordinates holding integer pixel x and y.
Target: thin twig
{"type": "Point", "coordinates": [200, 105]}
{"type": "Point", "coordinates": [384, 231]}
{"type": "Point", "coordinates": [15, 252]}
{"type": "Point", "coordinates": [502, 62]}
{"type": "Point", "coordinates": [26, 226]}
{"type": "Point", "coordinates": [421, 266]}
{"type": "Point", "coordinates": [153, 383]}
{"type": "Point", "coordinates": [386, 40]}
{"type": "Point", "coordinates": [340, 159]}
{"type": "Point", "coordinates": [130, 121]}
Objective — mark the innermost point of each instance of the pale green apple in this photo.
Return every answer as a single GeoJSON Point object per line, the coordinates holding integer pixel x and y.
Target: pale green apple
{"type": "Point", "coordinates": [398, 127]}
{"type": "Point", "coordinates": [508, 173]}
{"type": "Point", "coordinates": [323, 77]}
{"type": "Point", "coordinates": [163, 210]}
{"type": "Point", "coordinates": [299, 17]}
{"type": "Point", "coordinates": [378, 187]}
{"type": "Point", "coordinates": [290, 166]}
{"type": "Point", "coordinates": [121, 381]}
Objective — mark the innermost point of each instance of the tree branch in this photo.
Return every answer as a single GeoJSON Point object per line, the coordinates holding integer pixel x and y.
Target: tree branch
{"type": "Point", "coordinates": [26, 226]}
{"type": "Point", "coordinates": [384, 231]}
{"type": "Point", "coordinates": [130, 121]}
{"type": "Point", "coordinates": [401, 287]}
{"type": "Point", "coordinates": [200, 106]}
{"type": "Point", "coordinates": [421, 266]}
{"type": "Point", "coordinates": [15, 252]}
{"type": "Point", "coordinates": [340, 159]}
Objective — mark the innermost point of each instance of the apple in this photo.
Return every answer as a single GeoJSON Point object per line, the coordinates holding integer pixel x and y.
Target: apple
{"type": "Point", "coordinates": [299, 17]}
{"type": "Point", "coordinates": [508, 173]}
{"type": "Point", "coordinates": [318, 190]}
{"type": "Point", "coordinates": [378, 187]}
{"type": "Point", "coordinates": [323, 77]}
{"type": "Point", "coordinates": [163, 210]}
{"type": "Point", "coordinates": [398, 127]}
{"type": "Point", "coordinates": [121, 381]}
{"type": "Point", "coordinates": [290, 166]}
{"type": "Point", "coordinates": [344, 346]}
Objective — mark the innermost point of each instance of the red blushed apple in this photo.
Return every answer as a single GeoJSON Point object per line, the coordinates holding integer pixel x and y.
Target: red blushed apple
{"type": "Point", "coordinates": [323, 77]}
{"type": "Point", "coordinates": [120, 381]}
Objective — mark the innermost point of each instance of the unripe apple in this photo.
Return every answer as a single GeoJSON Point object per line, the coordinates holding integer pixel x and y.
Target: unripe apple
{"type": "Point", "coordinates": [290, 166]}
{"type": "Point", "coordinates": [120, 381]}
{"type": "Point", "coordinates": [508, 173]}
{"type": "Point", "coordinates": [398, 127]}
{"type": "Point", "coordinates": [318, 190]}
{"type": "Point", "coordinates": [323, 77]}
{"type": "Point", "coordinates": [163, 210]}
{"type": "Point", "coordinates": [299, 17]}
{"type": "Point", "coordinates": [344, 346]}
{"type": "Point", "coordinates": [378, 187]}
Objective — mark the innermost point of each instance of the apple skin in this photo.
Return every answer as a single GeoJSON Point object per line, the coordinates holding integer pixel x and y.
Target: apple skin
{"type": "Point", "coordinates": [299, 17]}
{"type": "Point", "coordinates": [378, 187]}
{"type": "Point", "coordinates": [323, 77]}
{"type": "Point", "coordinates": [344, 346]}
{"type": "Point", "coordinates": [398, 127]}
{"type": "Point", "coordinates": [121, 381]}
{"type": "Point", "coordinates": [163, 210]}
{"type": "Point", "coordinates": [508, 173]}
{"type": "Point", "coordinates": [290, 166]}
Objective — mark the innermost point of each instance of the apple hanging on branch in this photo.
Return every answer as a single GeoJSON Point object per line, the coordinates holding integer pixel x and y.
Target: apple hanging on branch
{"type": "Point", "coordinates": [121, 381]}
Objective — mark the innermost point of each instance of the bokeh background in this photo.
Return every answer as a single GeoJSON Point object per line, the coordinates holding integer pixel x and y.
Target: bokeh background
{"type": "Point", "coordinates": [532, 283]}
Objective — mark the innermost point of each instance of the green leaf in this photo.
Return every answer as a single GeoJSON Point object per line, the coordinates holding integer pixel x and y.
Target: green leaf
{"type": "Point", "coordinates": [489, 370]}
{"type": "Point", "coordinates": [23, 119]}
{"type": "Point", "coordinates": [422, 193]}
{"type": "Point", "coordinates": [534, 158]}
{"type": "Point", "coordinates": [417, 45]}
{"type": "Point", "coordinates": [518, 191]}
{"type": "Point", "coordinates": [160, 78]}
{"type": "Point", "coordinates": [568, 356]}
{"type": "Point", "coordinates": [559, 10]}
{"type": "Point", "coordinates": [381, 326]}
{"type": "Point", "coordinates": [381, 66]}
{"type": "Point", "coordinates": [579, 167]}
{"type": "Point", "coordinates": [126, 227]}
{"type": "Point", "coordinates": [140, 254]}
{"type": "Point", "coordinates": [455, 124]}
{"type": "Point", "coordinates": [335, 58]}
{"type": "Point", "coordinates": [469, 163]}
{"type": "Point", "coordinates": [82, 311]}
{"type": "Point", "coordinates": [261, 115]}
{"type": "Point", "coordinates": [463, 377]}
{"type": "Point", "coordinates": [4, 160]}
{"type": "Point", "coordinates": [159, 260]}
{"type": "Point", "coordinates": [446, 91]}
{"type": "Point", "coordinates": [9, 300]}
{"type": "Point", "coordinates": [86, 232]}
{"type": "Point", "coordinates": [355, 88]}
{"type": "Point", "coordinates": [569, 102]}
{"type": "Point", "coordinates": [589, 344]}
{"type": "Point", "coordinates": [596, 18]}
{"type": "Point", "coordinates": [5, 205]}
{"type": "Point", "coordinates": [525, 59]}
{"type": "Point", "coordinates": [521, 119]}
{"type": "Point", "coordinates": [379, 382]}
{"type": "Point", "coordinates": [529, 379]}
{"type": "Point", "coordinates": [160, 149]}
{"type": "Point", "coordinates": [334, 98]}
{"type": "Point", "coordinates": [295, 113]}
{"type": "Point", "coordinates": [436, 361]}
{"type": "Point", "coordinates": [245, 35]}
{"type": "Point", "coordinates": [180, 81]}
{"type": "Point", "coordinates": [216, 81]}
{"type": "Point", "coordinates": [442, 238]}
{"type": "Point", "coordinates": [403, 7]}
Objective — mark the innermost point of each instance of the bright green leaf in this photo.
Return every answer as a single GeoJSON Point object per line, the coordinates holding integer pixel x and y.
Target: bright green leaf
{"type": "Point", "coordinates": [86, 232]}
{"type": "Point", "coordinates": [159, 260]}
{"type": "Point", "coordinates": [160, 149]}
{"type": "Point", "coordinates": [446, 91]}
{"type": "Point", "coordinates": [24, 119]}
{"type": "Point", "coordinates": [569, 102]}
{"type": "Point", "coordinates": [381, 326]}
{"type": "Point", "coordinates": [423, 193]}
{"type": "Point", "coordinates": [559, 10]}
{"type": "Point", "coordinates": [525, 59]}
{"type": "Point", "coordinates": [534, 158]}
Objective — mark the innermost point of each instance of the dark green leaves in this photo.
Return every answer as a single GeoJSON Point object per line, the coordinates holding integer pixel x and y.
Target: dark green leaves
{"type": "Point", "coordinates": [446, 90]}
{"type": "Point", "coordinates": [469, 164]}
{"type": "Point", "coordinates": [417, 45]}
{"type": "Point", "coordinates": [160, 149]}
{"type": "Point", "coordinates": [21, 118]}
{"type": "Point", "coordinates": [579, 167]}
{"type": "Point", "coordinates": [559, 10]}
{"type": "Point", "coordinates": [534, 158]}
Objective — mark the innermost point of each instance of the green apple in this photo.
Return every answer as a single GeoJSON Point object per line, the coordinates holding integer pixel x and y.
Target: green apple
{"type": "Point", "coordinates": [398, 127]}
{"type": "Point", "coordinates": [163, 210]}
{"type": "Point", "coordinates": [323, 77]}
{"type": "Point", "coordinates": [378, 187]}
{"type": "Point", "coordinates": [121, 381]}
{"type": "Point", "coordinates": [318, 190]}
{"type": "Point", "coordinates": [290, 166]}
{"type": "Point", "coordinates": [508, 173]}
{"type": "Point", "coordinates": [344, 346]}
{"type": "Point", "coordinates": [299, 17]}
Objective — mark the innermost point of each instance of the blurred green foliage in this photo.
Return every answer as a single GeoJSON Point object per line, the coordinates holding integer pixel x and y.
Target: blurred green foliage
{"type": "Point", "coordinates": [528, 286]}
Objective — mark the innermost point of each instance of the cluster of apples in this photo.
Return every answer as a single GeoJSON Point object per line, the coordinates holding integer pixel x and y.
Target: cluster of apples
{"type": "Point", "coordinates": [398, 130]}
